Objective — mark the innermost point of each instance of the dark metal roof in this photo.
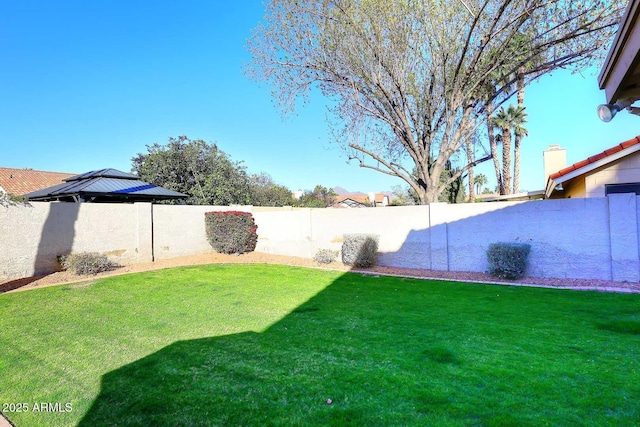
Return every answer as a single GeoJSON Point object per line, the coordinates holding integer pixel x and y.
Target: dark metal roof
{"type": "Point", "coordinates": [105, 185]}
{"type": "Point", "coordinates": [103, 173]}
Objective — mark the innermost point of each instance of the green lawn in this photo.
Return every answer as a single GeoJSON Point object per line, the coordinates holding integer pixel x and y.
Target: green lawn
{"type": "Point", "coordinates": [269, 345]}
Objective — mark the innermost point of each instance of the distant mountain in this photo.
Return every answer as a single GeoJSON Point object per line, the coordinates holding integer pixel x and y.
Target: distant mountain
{"type": "Point", "coordinates": [342, 191]}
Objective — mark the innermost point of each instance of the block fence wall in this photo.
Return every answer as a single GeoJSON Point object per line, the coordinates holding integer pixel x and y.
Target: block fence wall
{"type": "Point", "coordinates": [570, 238]}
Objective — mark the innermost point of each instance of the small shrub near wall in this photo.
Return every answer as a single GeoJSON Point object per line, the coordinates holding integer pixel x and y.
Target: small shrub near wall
{"type": "Point", "coordinates": [325, 256]}
{"type": "Point", "coordinates": [85, 263]}
{"type": "Point", "coordinates": [360, 250]}
{"type": "Point", "coordinates": [231, 232]}
{"type": "Point", "coordinates": [508, 260]}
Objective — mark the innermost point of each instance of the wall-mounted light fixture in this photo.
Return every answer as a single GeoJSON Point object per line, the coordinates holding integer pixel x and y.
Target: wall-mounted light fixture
{"type": "Point", "coordinates": [607, 112]}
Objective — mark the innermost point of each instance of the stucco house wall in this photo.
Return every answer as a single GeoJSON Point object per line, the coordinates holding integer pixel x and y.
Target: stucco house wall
{"type": "Point", "coordinates": [619, 164]}
{"type": "Point", "coordinates": [573, 189]}
{"type": "Point", "coordinates": [623, 171]}
{"type": "Point", "coordinates": [592, 184]}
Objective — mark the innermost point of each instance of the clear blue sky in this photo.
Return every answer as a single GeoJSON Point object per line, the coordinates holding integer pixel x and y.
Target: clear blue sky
{"type": "Point", "coordinates": [87, 84]}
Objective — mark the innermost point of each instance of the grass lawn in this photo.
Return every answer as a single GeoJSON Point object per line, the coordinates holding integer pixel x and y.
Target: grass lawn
{"type": "Point", "coordinates": [269, 345]}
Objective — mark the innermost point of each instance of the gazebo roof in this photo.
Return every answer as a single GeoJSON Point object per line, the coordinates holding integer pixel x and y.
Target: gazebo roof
{"type": "Point", "coordinates": [105, 185]}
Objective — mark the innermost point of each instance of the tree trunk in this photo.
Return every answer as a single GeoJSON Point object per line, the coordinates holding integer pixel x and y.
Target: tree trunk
{"type": "Point", "coordinates": [506, 158]}
{"type": "Point", "coordinates": [494, 148]}
{"type": "Point", "coordinates": [470, 174]}
{"type": "Point", "coordinates": [518, 136]}
{"type": "Point", "coordinates": [516, 163]}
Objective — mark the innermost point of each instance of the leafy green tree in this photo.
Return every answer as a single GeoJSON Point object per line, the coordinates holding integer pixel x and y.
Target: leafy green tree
{"type": "Point", "coordinates": [412, 80]}
{"type": "Point", "coordinates": [403, 196]}
{"type": "Point", "coordinates": [265, 192]}
{"type": "Point", "coordinates": [320, 197]}
{"type": "Point", "coordinates": [454, 191]}
{"type": "Point", "coordinates": [196, 168]}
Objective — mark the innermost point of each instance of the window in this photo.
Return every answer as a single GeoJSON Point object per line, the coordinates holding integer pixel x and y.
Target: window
{"type": "Point", "coordinates": [633, 187]}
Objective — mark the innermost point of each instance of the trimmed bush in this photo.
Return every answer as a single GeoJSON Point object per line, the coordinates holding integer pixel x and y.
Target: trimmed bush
{"type": "Point", "coordinates": [325, 256]}
{"type": "Point", "coordinates": [231, 232]}
{"type": "Point", "coordinates": [359, 250]}
{"type": "Point", "coordinates": [85, 263]}
{"type": "Point", "coordinates": [508, 260]}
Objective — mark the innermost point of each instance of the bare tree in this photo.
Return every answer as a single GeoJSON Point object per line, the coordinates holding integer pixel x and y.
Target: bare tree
{"type": "Point", "coordinates": [408, 78]}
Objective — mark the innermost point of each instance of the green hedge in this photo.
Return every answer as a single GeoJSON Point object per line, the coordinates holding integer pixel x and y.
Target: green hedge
{"type": "Point", "coordinates": [231, 232]}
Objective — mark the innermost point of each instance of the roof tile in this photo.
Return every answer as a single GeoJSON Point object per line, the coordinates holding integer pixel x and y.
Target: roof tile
{"type": "Point", "coordinates": [629, 143]}
{"type": "Point", "coordinates": [22, 181]}
{"type": "Point", "coordinates": [606, 153]}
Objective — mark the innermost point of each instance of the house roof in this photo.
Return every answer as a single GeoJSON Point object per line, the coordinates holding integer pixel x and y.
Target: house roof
{"type": "Point", "coordinates": [105, 185]}
{"type": "Point", "coordinates": [350, 202]}
{"type": "Point", "coordinates": [620, 74]}
{"type": "Point", "coordinates": [363, 200]}
{"type": "Point", "coordinates": [528, 195]}
{"type": "Point", "coordinates": [360, 198]}
{"type": "Point", "coordinates": [591, 163]}
{"type": "Point", "coordinates": [22, 181]}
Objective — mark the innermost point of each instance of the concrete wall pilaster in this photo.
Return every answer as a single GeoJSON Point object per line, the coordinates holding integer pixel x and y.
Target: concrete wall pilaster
{"type": "Point", "coordinates": [439, 236]}
{"type": "Point", "coordinates": [144, 231]}
{"type": "Point", "coordinates": [623, 225]}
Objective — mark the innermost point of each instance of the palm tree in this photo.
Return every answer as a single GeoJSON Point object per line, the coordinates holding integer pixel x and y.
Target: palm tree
{"type": "Point", "coordinates": [502, 120]}
{"type": "Point", "coordinates": [518, 48]}
{"type": "Point", "coordinates": [480, 181]}
{"type": "Point", "coordinates": [519, 131]}
{"type": "Point", "coordinates": [493, 145]}
{"type": "Point", "coordinates": [507, 120]}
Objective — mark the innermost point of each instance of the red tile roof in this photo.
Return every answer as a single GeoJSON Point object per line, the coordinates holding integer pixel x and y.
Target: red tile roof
{"type": "Point", "coordinates": [22, 181]}
{"type": "Point", "coordinates": [597, 157]}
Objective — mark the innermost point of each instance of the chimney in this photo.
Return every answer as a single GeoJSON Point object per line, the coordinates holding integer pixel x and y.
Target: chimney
{"type": "Point", "coordinates": [372, 198]}
{"type": "Point", "coordinates": [554, 159]}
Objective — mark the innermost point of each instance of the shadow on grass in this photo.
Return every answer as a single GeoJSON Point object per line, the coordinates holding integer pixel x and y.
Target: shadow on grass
{"type": "Point", "coordinates": [375, 351]}
{"type": "Point", "coordinates": [344, 357]}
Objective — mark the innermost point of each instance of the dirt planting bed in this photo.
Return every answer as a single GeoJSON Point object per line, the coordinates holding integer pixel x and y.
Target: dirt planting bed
{"type": "Point", "coordinates": [258, 257]}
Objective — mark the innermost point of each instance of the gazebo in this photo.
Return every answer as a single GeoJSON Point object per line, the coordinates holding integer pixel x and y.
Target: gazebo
{"type": "Point", "coordinates": [105, 185]}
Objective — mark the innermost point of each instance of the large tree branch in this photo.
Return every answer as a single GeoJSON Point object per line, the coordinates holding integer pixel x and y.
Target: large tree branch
{"type": "Point", "coordinates": [459, 173]}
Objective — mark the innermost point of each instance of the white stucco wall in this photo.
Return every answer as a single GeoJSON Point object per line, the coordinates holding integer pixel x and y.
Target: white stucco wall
{"type": "Point", "coordinates": [403, 239]}
{"type": "Point", "coordinates": [33, 235]}
{"type": "Point", "coordinates": [180, 231]}
{"type": "Point", "coordinates": [568, 237]}
{"type": "Point", "coordinates": [593, 238]}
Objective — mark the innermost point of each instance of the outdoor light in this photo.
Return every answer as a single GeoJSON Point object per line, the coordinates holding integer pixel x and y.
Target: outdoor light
{"type": "Point", "coordinates": [607, 112]}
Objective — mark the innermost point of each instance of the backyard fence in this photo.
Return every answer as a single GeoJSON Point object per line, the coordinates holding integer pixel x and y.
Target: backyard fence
{"type": "Point", "coordinates": [593, 238]}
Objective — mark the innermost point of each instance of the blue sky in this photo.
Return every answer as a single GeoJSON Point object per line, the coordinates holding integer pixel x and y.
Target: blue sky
{"type": "Point", "coordinates": [87, 85]}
